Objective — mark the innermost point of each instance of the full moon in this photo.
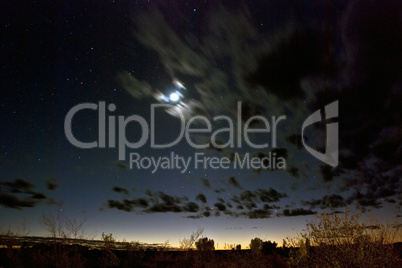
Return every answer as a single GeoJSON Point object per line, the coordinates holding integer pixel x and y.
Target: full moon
{"type": "Point", "coordinates": [174, 96]}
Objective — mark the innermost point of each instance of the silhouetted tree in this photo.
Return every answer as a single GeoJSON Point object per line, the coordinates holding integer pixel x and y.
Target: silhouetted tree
{"type": "Point", "coordinates": [268, 247]}
{"type": "Point", "coordinates": [205, 244]}
{"type": "Point", "coordinates": [188, 242]}
{"type": "Point", "coordinates": [75, 227]}
{"type": "Point", "coordinates": [54, 224]}
{"type": "Point", "coordinates": [60, 226]}
{"type": "Point", "coordinates": [256, 245]}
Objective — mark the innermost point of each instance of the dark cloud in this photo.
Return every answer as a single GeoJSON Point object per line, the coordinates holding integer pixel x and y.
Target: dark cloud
{"type": "Point", "coordinates": [170, 200]}
{"type": "Point", "coordinates": [251, 204]}
{"type": "Point", "coordinates": [124, 205]}
{"type": "Point", "coordinates": [163, 208]}
{"type": "Point", "coordinates": [121, 190]}
{"type": "Point", "coordinates": [206, 183]}
{"type": "Point", "coordinates": [155, 202]}
{"type": "Point", "coordinates": [258, 214]}
{"type": "Point", "coordinates": [11, 201]}
{"type": "Point", "coordinates": [267, 207]}
{"type": "Point", "coordinates": [51, 184]}
{"type": "Point", "coordinates": [18, 186]}
{"type": "Point", "coordinates": [190, 207]}
{"type": "Point", "coordinates": [201, 197]}
{"type": "Point", "coordinates": [250, 110]}
{"type": "Point", "coordinates": [327, 173]}
{"type": "Point", "coordinates": [19, 194]}
{"type": "Point", "coordinates": [248, 196]}
{"type": "Point", "coordinates": [293, 171]}
{"type": "Point", "coordinates": [270, 195]}
{"type": "Point", "coordinates": [372, 191]}
{"type": "Point", "coordinates": [297, 212]}
{"type": "Point", "coordinates": [220, 206]}
{"type": "Point", "coordinates": [232, 181]}
{"type": "Point", "coordinates": [296, 139]}
{"type": "Point", "coordinates": [121, 165]}
{"type": "Point", "coordinates": [138, 89]}
{"type": "Point", "coordinates": [220, 199]}
{"type": "Point", "coordinates": [38, 196]}
{"type": "Point", "coordinates": [236, 199]}
{"type": "Point", "coordinates": [300, 54]}
{"type": "Point", "coordinates": [328, 201]}
{"type": "Point", "coordinates": [350, 53]}
{"type": "Point", "coordinates": [365, 200]}
{"type": "Point", "coordinates": [140, 202]}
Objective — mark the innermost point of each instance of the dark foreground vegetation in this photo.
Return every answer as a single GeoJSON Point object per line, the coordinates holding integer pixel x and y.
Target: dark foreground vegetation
{"type": "Point", "coordinates": [59, 255]}
{"type": "Point", "coordinates": [332, 241]}
{"type": "Point", "coordinates": [63, 255]}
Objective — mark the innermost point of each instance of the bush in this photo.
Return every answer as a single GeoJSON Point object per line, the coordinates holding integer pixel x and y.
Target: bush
{"type": "Point", "coordinates": [256, 245]}
{"type": "Point", "coordinates": [205, 244]}
{"type": "Point", "coordinates": [268, 247]}
{"type": "Point", "coordinates": [333, 241]}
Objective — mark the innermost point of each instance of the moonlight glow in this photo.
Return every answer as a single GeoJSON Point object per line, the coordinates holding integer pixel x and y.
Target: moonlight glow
{"type": "Point", "coordinates": [174, 96]}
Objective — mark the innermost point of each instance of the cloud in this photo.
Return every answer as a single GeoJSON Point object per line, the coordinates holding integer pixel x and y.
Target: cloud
{"type": "Point", "coordinates": [51, 184]}
{"type": "Point", "coordinates": [251, 204]}
{"type": "Point", "coordinates": [190, 207]}
{"type": "Point", "coordinates": [18, 186]}
{"type": "Point", "coordinates": [206, 183]}
{"type": "Point", "coordinates": [11, 201]}
{"type": "Point", "coordinates": [121, 165]}
{"type": "Point", "coordinates": [19, 194]}
{"type": "Point", "coordinates": [201, 197]}
{"type": "Point", "coordinates": [300, 54]}
{"type": "Point", "coordinates": [155, 202]}
{"type": "Point", "coordinates": [206, 214]}
{"type": "Point", "coordinates": [138, 89]}
{"type": "Point", "coordinates": [38, 196]}
{"type": "Point", "coordinates": [162, 208]}
{"type": "Point", "coordinates": [327, 173]}
{"type": "Point", "coordinates": [124, 205]}
{"type": "Point", "coordinates": [294, 67]}
{"type": "Point", "coordinates": [270, 195]}
{"type": "Point", "coordinates": [220, 199]}
{"type": "Point", "coordinates": [258, 214]}
{"type": "Point", "coordinates": [328, 201]}
{"type": "Point", "coordinates": [121, 190]}
{"type": "Point", "coordinates": [297, 212]}
{"type": "Point", "coordinates": [295, 139]}
{"type": "Point", "coordinates": [293, 171]}
{"type": "Point", "coordinates": [220, 206]}
{"type": "Point", "coordinates": [232, 181]}
{"type": "Point", "coordinates": [219, 190]}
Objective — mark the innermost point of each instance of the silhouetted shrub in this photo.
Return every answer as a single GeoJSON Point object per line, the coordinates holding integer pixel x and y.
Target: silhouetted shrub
{"type": "Point", "coordinates": [205, 244]}
{"type": "Point", "coordinates": [256, 245]}
{"type": "Point", "coordinates": [333, 241]}
{"type": "Point", "coordinates": [268, 247]}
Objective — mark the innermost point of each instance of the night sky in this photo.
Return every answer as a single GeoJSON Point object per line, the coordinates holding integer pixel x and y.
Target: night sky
{"type": "Point", "coordinates": [201, 59]}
